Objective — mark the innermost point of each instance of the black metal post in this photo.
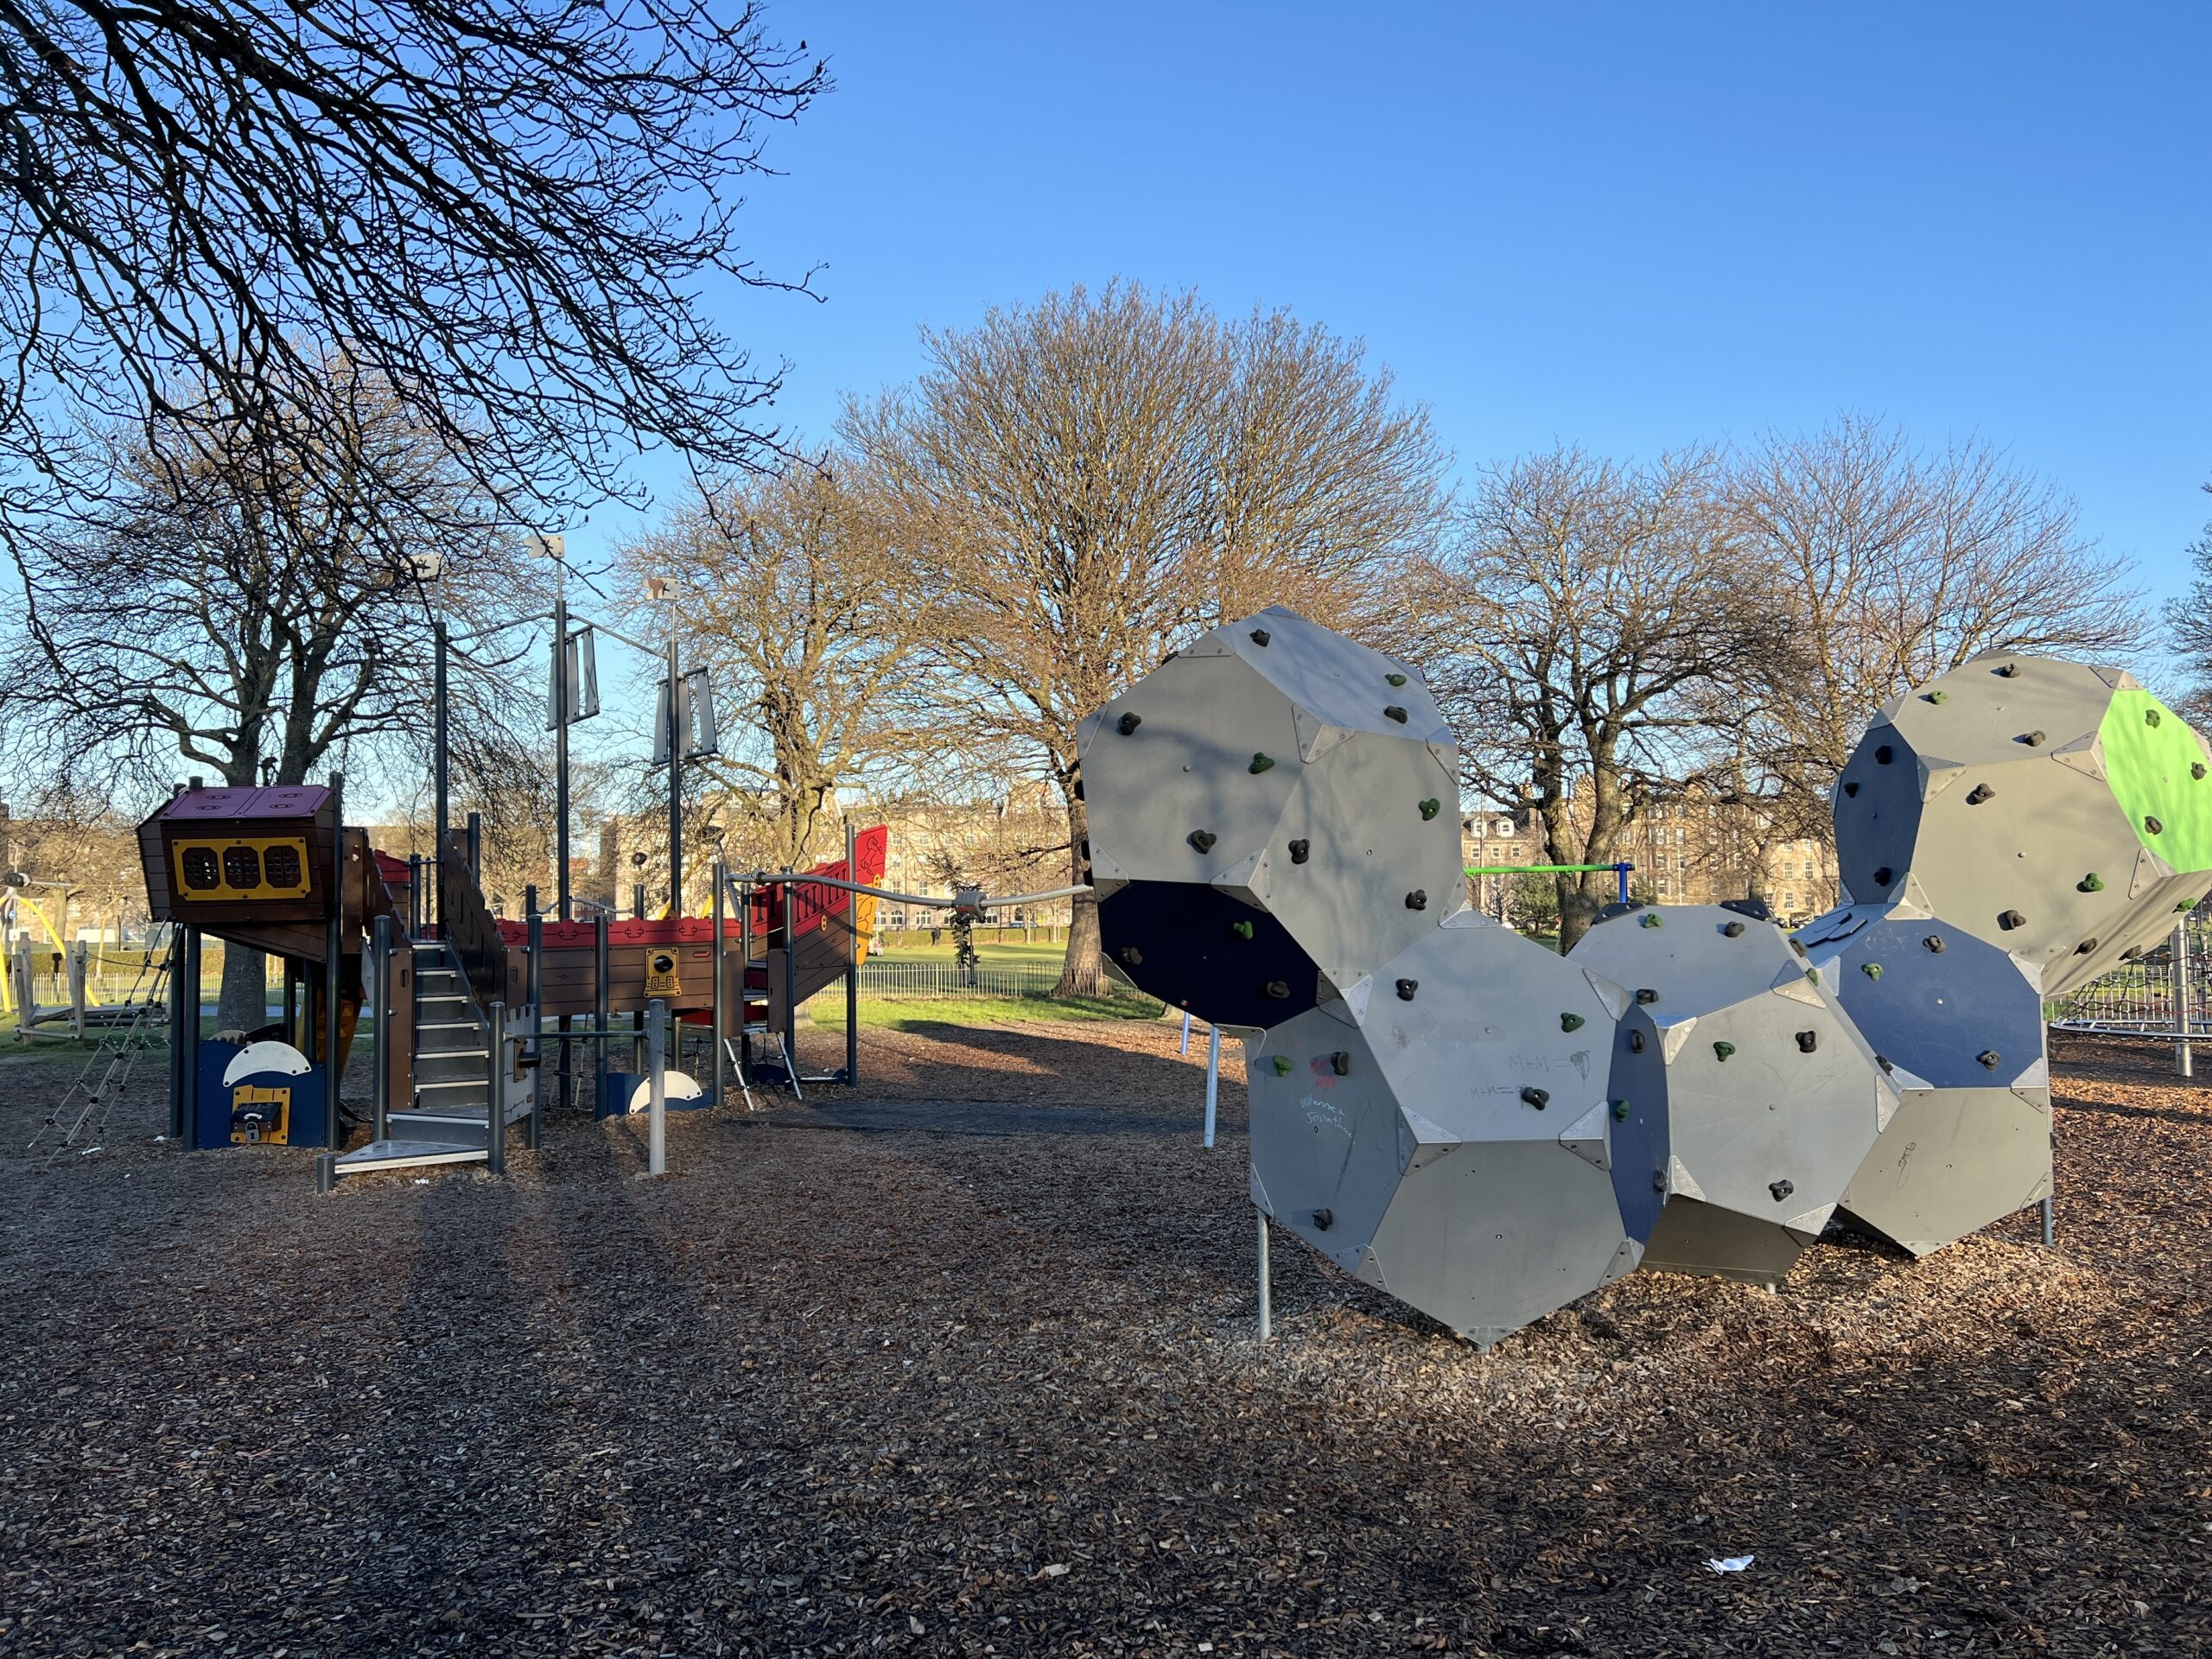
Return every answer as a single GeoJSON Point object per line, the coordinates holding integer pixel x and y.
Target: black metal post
{"type": "Point", "coordinates": [791, 976]}
{"type": "Point", "coordinates": [495, 1096]}
{"type": "Point", "coordinates": [720, 957]}
{"type": "Point", "coordinates": [191, 988]}
{"type": "Point", "coordinates": [333, 965]}
{"type": "Point", "coordinates": [601, 1015]}
{"type": "Point", "coordinates": [442, 766]}
{"type": "Point", "coordinates": [416, 910]}
{"type": "Point", "coordinates": [379, 1123]}
{"type": "Point", "coordinates": [180, 1055]}
{"type": "Point", "coordinates": [637, 901]}
{"type": "Point", "coordinates": [476, 848]}
{"type": "Point", "coordinates": [534, 980]}
{"type": "Point", "coordinates": [853, 969]}
{"type": "Point", "coordinates": [563, 909]}
{"type": "Point", "coordinates": [676, 725]}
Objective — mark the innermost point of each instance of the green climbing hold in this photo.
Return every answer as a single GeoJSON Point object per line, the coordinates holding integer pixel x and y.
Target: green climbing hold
{"type": "Point", "coordinates": [2090, 883]}
{"type": "Point", "coordinates": [1812, 975]}
{"type": "Point", "coordinates": [1650, 919]}
{"type": "Point", "coordinates": [1261, 762]}
{"type": "Point", "coordinates": [1395, 679]}
{"type": "Point", "coordinates": [1620, 1111]}
{"type": "Point", "coordinates": [2149, 716]}
{"type": "Point", "coordinates": [1241, 930]}
{"type": "Point", "coordinates": [1430, 808]}
{"type": "Point", "coordinates": [1938, 696]}
{"type": "Point", "coordinates": [1283, 1066]}
{"type": "Point", "coordinates": [1871, 970]}
{"type": "Point", "coordinates": [1722, 1051]}
{"type": "Point", "coordinates": [1570, 1022]}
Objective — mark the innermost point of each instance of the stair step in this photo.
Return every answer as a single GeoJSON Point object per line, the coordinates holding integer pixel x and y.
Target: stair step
{"type": "Point", "coordinates": [450, 1082]}
{"type": "Point", "coordinates": [405, 1155]}
{"type": "Point", "coordinates": [445, 1025]}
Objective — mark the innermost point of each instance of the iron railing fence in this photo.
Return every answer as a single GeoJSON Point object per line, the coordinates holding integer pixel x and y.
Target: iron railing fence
{"type": "Point", "coordinates": [2166, 993]}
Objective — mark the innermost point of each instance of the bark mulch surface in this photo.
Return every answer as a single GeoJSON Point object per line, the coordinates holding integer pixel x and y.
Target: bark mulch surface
{"type": "Point", "coordinates": [975, 1373]}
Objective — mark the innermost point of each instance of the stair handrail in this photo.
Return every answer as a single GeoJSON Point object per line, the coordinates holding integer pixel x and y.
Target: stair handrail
{"type": "Point", "coordinates": [466, 925]}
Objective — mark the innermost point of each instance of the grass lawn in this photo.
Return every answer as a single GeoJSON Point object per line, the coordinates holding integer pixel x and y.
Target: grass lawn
{"type": "Point", "coordinates": [916, 947]}
{"type": "Point", "coordinates": [909, 1014]}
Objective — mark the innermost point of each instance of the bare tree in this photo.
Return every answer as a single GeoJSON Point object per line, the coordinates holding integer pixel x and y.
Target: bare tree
{"type": "Point", "coordinates": [1098, 477]}
{"type": "Point", "coordinates": [246, 595]}
{"type": "Point", "coordinates": [1888, 564]}
{"type": "Point", "coordinates": [505, 211]}
{"type": "Point", "coordinates": [1579, 630]}
{"type": "Point", "coordinates": [799, 595]}
{"type": "Point", "coordinates": [2189, 622]}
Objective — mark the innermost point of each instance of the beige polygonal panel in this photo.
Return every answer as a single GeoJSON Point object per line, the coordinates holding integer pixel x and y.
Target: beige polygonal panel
{"type": "Point", "coordinates": [1274, 812]}
{"type": "Point", "coordinates": [1474, 1137]}
{"type": "Point", "coordinates": [1774, 1100]}
{"type": "Point", "coordinates": [2057, 812]}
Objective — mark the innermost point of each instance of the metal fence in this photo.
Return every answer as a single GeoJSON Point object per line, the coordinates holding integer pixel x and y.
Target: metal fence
{"type": "Point", "coordinates": [2163, 995]}
{"type": "Point", "coordinates": [914, 981]}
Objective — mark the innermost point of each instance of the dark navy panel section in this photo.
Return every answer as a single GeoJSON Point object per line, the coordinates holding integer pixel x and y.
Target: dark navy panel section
{"type": "Point", "coordinates": [1937, 1012]}
{"type": "Point", "coordinates": [1186, 944]}
{"type": "Point", "coordinates": [1639, 1139]}
{"type": "Point", "coordinates": [1877, 815]}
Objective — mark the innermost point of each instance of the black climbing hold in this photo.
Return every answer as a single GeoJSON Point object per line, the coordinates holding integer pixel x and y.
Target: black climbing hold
{"type": "Point", "coordinates": [1781, 1189]}
{"type": "Point", "coordinates": [1261, 762]}
{"type": "Point", "coordinates": [1636, 1042]}
{"type": "Point", "coordinates": [1989, 1057]}
{"type": "Point", "coordinates": [1298, 851]}
{"type": "Point", "coordinates": [1570, 1022]}
{"type": "Point", "coordinates": [1395, 713]}
{"type": "Point", "coordinates": [1850, 789]}
{"type": "Point", "coordinates": [1535, 1097]}
{"type": "Point", "coordinates": [1882, 755]}
{"type": "Point", "coordinates": [1722, 1051]}
{"type": "Point", "coordinates": [1430, 808]}
{"type": "Point", "coordinates": [1322, 1218]}
{"type": "Point", "coordinates": [1130, 723]}
{"type": "Point", "coordinates": [1731, 930]}
{"type": "Point", "coordinates": [1647, 996]}
{"type": "Point", "coordinates": [2008, 670]}
{"type": "Point", "coordinates": [1882, 876]}
{"type": "Point", "coordinates": [1882, 1060]}
{"type": "Point", "coordinates": [1203, 840]}
{"type": "Point", "coordinates": [1405, 989]}
{"type": "Point", "coordinates": [1658, 1181]}
{"type": "Point", "coordinates": [1934, 942]}
{"type": "Point", "coordinates": [1808, 1041]}
{"type": "Point", "coordinates": [2131, 953]}
{"type": "Point", "coordinates": [1130, 955]}
{"type": "Point", "coordinates": [2153, 825]}
{"type": "Point", "coordinates": [2009, 919]}
{"type": "Point", "coordinates": [1340, 1062]}
{"type": "Point", "coordinates": [2085, 947]}
{"type": "Point", "coordinates": [2033, 739]}
{"type": "Point", "coordinates": [1978, 793]}
{"type": "Point", "coordinates": [2090, 883]}
{"type": "Point", "coordinates": [1276, 990]}
{"type": "Point", "coordinates": [1259, 636]}
{"type": "Point", "coordinates": [1417, 899]}
{"type": "Point", "coordinates": [1241, 930]}
{"type": "Point", "coordinates": [1395, 679]}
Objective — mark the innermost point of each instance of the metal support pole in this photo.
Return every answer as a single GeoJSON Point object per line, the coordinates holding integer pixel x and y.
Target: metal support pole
{"type": "Point", "coordinates": [415, 909]}
{"type": "Point", "coordinates": [657, 1096]}
{"type": "Point", "coordinates": [2049, 1223]}
{"type": "Point", "coordinates": [637, 901]}
{"type": "Point", "coordinates": [476, 848]}
{"type": "Point", "coordinates": [790, 978]}
{"type": "Point", "coordinates": [744, 977]}
{"type": "Point", "coordinates": [563, 905]}
{"type": "Point", "coordinates": [495, 1092]}
{"type": "Point", "coordinates": [675, 733]}
{"type": "Point", "coordinates": [1213, 1077]}
{"type": "Point", "coordinates": [719, 957]}
{"type": "Point", "coordinates": [601, 1017]}
{"type": "Point", "coordinates": [853, 969]}
{"type": "Point", "coordinates": [534, 981]}
{"type": "Point", "coordinates": [2184, 1052]}
{"type": "Point", "coordinates": [180, 1056]}
{"type": "Point", "coordinates": [1267, 1292]}
{"type": "Point", "coordinates": [333, 966]}
{"type": "Point", "coordinates": [381, 1084]}
{"type": "Point", "coordinates": [1185, 1047]}
{"type": "Point", "coordinates": [1621, 871]}
{"type": "Point", "coordinates": [443, 764]}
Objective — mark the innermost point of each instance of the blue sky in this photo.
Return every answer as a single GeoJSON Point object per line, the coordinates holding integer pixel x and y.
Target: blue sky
{"type": "Point", "coordinates": [1629, 227]}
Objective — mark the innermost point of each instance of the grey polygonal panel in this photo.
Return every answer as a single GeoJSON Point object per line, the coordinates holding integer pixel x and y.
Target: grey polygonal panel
{"type": "Point", "coordinates": [1959, 1023]}
{"type": "Point", "coordinates": [2052, 809]}
{"type": "Point", "coordinates": [1269, 821]}
{"type": "Point", "coordinates": [1454, 1137]}
{"type": "Point", "coordinates": [1773, 1098]}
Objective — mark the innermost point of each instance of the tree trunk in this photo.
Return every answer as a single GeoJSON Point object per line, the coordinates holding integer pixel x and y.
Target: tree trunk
{"type": "Point", "coordinates": [1083, 974]}
{"type": "Point", "coordinates": [243, 1004]}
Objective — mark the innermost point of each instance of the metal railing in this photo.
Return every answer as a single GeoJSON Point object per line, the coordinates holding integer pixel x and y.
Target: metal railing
{"type": "Point", "coordinates": [2165, 995]}
{"type": "Point", "coordinates": [905, 981]}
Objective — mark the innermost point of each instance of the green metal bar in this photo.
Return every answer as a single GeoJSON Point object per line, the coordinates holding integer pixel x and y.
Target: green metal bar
{"type": "Point", "coordinates": [1536, 869]}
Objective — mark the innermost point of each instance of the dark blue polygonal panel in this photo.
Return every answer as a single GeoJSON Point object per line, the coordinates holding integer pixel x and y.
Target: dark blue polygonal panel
{"type": "Point", "coordinates": [1636, 1094]}
{"type": "Point", "coordinates": [1877, 815]}
{"type": "Point", "coordinates": [1940, 1003]}
{"type": "Point", "coordinates": [1198, 948]}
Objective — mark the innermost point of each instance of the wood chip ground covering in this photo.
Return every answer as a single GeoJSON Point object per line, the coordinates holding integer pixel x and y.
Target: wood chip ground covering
{"type": "Point", "coordinates": [975, 1373]}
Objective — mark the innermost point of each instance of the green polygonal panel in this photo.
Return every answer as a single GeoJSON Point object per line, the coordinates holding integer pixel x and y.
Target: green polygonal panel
{"type": "Point", "coordinates": [2149, 753]}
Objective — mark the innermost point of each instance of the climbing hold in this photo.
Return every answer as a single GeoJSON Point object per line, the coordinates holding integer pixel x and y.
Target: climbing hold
{"type": "Point", "coordinates": [1130, 723]}
{"type": "Point", "coordinates": [2153, 825]}
{"type": "Point", "coordinates": [1781, 1189]}
{"type": "Point", "coordinates": [1731, 930]}
{"type": "Point", "coordinates": [2090, 883]}
{"type": "Point", "coordinates": [1417, 899]}
{"type": "Point", "coordinates": [1130, 955]}
{"type": "Point", "coordinates": [1259, 636]}
{"type": "Point", "coordinates": [1430, 808]}
{"type": "Point", "coordinates": [1261, 762]}
{"type": "Point", "coordinates": [2009, 919]}
{"type": "Point", "coordinates": [2085, 947]}
{"type": "Point", "coordinates": [1283, 1066]}
{"type": "Point", "coordinates": [1620, 1111]}
{"type": "Point", "coordinates": [1395, 679]}
{"type": "Point", "coordinates": [1808, 1041]}
{"type": "Point", "coordinates": [1322, 1218]}
{"type": "Point", "coordinates": [2008, 670]}
{"type": "Point", "coordinates": [1300, 850]}
{"type": "Point", "coordinates": [1241, 930]}
{"type": "Point", "coordinates": [1812, 975]}
{"type": "Point", "coordinates": [2196, 771]}
{"type": "Point", "coordinates": [2033, 739]}
{"type": "Point", "coordinates": [1978, 793]}
{"type": "Point", "coordinates": [1395, 713]}
{"type": "Point", "coordinates": [1938, 696]}
{"type": "Point", "coordinates": [1535, 1097]}
{"type": "Point", "coordinates": [1882, 876]}
{"type": "Point", "coordinates": [2150, 717]}
{"type": "Point", "coordinates": [1405, 989]}
{"type": "Point", "coordinates": [1651, 918]}
{"type": "Point", "coordinates": [1647, 996]}
{"type": "Point", "coordinates": [1340, 1062]}
{"type": "Point", "coordinates": [1636, 1042]}
{"type": "Point", "coordinates": [1276, 990]}
{"type": "Point", "coordinates": [1722, 1051]}
{"type": "Point", "coordinates": [1570, 1022]}
{"type": "Point", "coordinates": [1882, 1060]}
{"type": "Point", "coordinates": [1882, 755]}
{"type": "Point", "coordinates": [1658, 1181]}
{"type": "Point", "coordinates": [1934, 942]}
{"type": "Point", "coordinates": [1989, 1057]}
{"type": "Point", "coordinates": [1203, 840]}
{"type": "Point", "coordinates": [1871, 970]}
{"type": "Point", "coordinates": [1850, 789]}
